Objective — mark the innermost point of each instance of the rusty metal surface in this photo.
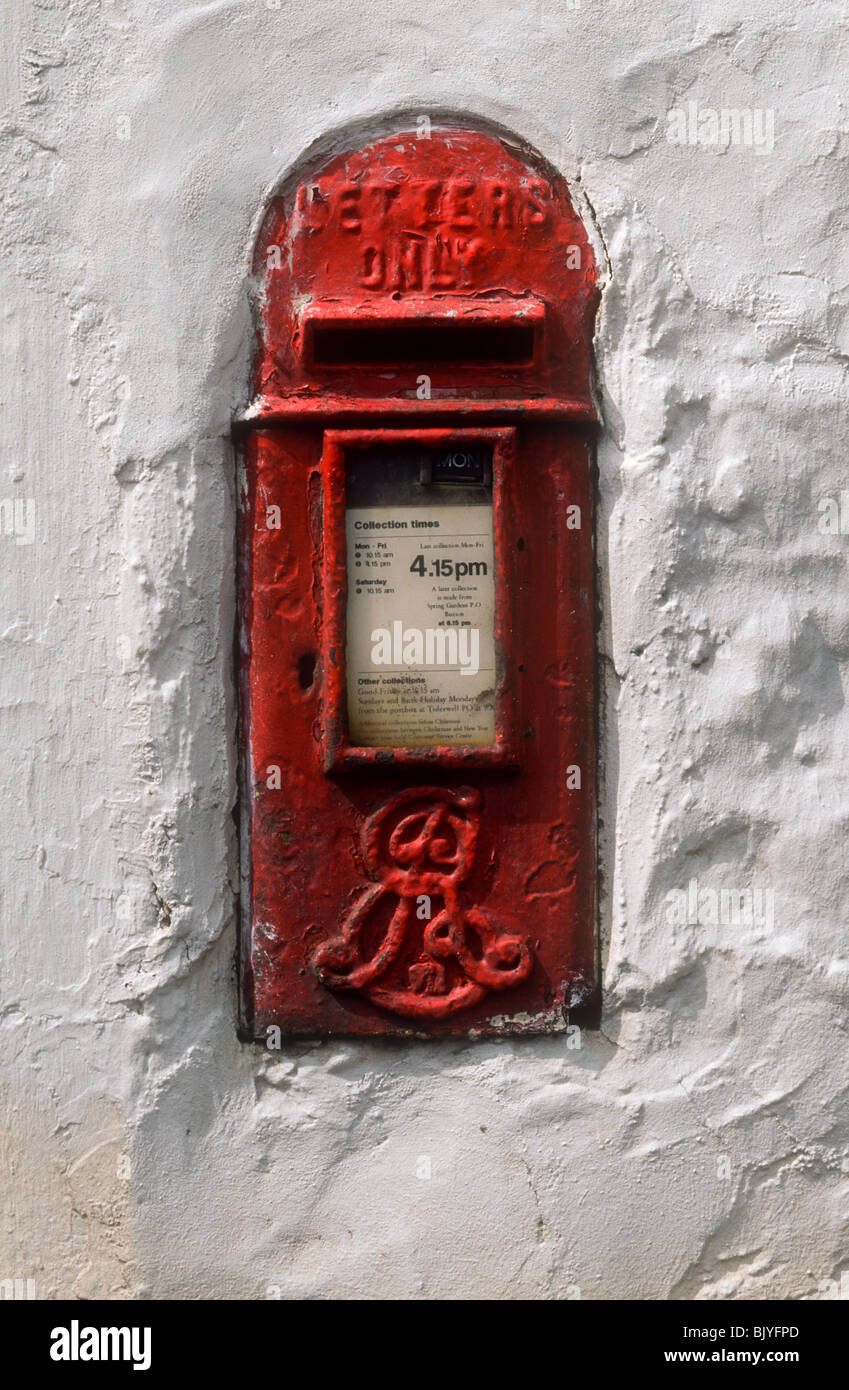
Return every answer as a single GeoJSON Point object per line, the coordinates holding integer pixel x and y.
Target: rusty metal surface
{"type": "Point", "coordinates": [343, 843]}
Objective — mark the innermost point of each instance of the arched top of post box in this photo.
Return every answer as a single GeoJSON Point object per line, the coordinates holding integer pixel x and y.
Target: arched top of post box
{"type": "Point", "coordinates": [434, 269]}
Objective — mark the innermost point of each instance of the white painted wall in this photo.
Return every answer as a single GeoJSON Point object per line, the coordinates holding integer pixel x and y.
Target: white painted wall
{"type": "Point", "coordinates": [146, 1152]}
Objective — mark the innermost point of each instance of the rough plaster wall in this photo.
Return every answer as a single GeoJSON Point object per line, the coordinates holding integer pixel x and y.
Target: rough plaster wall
{"type": "Point", "coordinates": [148, 1153]}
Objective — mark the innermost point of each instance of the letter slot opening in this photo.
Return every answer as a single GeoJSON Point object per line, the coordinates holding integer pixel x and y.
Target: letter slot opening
{"type": "Point", "coordinates": [508, 344]}
{"type": "Point", "coordinates": [477, 335]}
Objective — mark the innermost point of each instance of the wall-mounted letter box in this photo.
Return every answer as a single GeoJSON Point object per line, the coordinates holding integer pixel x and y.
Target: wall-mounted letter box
{"type": "Point", "coordinates": [416, 598]}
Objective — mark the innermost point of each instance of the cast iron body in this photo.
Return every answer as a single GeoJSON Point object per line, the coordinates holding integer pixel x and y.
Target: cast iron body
{"type": "Point", "coordinates": [439, 289]}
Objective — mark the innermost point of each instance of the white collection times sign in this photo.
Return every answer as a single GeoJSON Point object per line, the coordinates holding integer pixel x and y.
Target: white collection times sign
{"type": "Point", "coordinates": [420, 652]}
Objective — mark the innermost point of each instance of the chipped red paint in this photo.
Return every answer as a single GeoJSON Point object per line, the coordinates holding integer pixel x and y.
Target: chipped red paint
{"type": "Point", "coordinates": [408, 247]}
{"type": "Point", "coordinates": [429, 850]}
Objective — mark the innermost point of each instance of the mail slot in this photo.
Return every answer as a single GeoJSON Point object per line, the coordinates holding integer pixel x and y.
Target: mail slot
{"type": "Point", "coordinates": [401, 334]}
{"type": "Point", "coordinates": [416, 598]}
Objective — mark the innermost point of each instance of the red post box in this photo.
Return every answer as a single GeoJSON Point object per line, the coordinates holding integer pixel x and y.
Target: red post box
{"type": "Point", "coordinates": [416, 598]}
